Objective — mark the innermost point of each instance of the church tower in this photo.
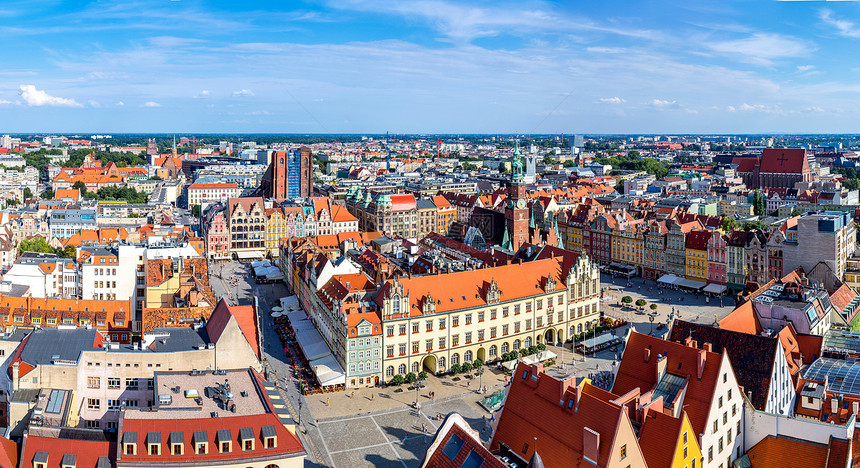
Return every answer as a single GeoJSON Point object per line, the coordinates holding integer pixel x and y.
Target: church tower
{"type": "Point", "coordinates": [516, 212]}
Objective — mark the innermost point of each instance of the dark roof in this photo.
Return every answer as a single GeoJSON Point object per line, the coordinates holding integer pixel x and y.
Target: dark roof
{"type": "Point", "coordinates": [424, 204]}
{"type": "Point", "coordinates": [179, 339]}
{"type": "Point", "coordinates": [48, 344]}
{"type": "Point", "coordinates": [752, 356]}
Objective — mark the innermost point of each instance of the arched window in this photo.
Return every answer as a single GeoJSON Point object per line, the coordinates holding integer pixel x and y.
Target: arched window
{"type": "Point", "coordinates": [505, 347]}
{"type": "Point", "coordinates": [527, 342]}
{"type": "Point", "coordinates": [516, 345]}
{"type": "Point", "coordinates": [361, 367]}
{"type": "Point", "coordinates": [415, 367]}
{"type": "Point", "coordinates": [401, 369]}
{"type": "Point", "coordinates": [579, 328]}
{"type": "Point", "coordinates": [493, 351]}
{"type": "Point", "coordinates": [441, 364]}
{"type": "Point", "coordinates": [467, 356]}
{"type": "Point", "coordinates": [395, 305]}
{"type": "Point", "coordinates": [572, 329]}
{"type": "Point", "coordinates": [455, 359]}
{"type": "Point", "coordinates": [389, 371]}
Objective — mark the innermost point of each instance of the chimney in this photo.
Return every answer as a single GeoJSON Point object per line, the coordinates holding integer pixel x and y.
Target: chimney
{"type": "Point", "coordinates": [834, 405]}
{"type": "Point", "coordinates": [590, 445]}
{"type": "Point", "coordinates": [15, 375]}
{"type": "Point", "coordinates": [647, 354]}
{"type": "Point", "coordinates": [855, 407]}
{"type": "Point", "coordinates": [700, 368]}
{"type": "Point", "coordinates": [708, 347]}
{"type": "Point", "coordinates": [689, 341]}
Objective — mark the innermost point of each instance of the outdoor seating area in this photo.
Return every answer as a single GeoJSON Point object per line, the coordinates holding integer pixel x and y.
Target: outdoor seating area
{"type": "Point", "coordinates": [265, 272]}
{"type": "Point", "coordinates": [310, 357]}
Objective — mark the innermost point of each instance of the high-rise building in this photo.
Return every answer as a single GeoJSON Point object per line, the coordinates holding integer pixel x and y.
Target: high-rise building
{"type": "Point", "coordinates": [290, 175]}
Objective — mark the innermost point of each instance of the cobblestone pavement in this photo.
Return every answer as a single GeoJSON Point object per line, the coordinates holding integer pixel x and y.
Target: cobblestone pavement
{"type": "Point", "coordinates": [693, 308]}
{"type": "Point", "coordinates": [379, 426]}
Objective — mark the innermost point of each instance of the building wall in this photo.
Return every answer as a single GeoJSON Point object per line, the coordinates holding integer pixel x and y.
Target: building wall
{"type": "Point", "coordinates": [781, 393]}
{"type": "Point", "coordinates": [710, 440]}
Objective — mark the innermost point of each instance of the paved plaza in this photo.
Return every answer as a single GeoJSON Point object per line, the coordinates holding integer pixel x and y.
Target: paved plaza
{"type": "Point", "coordinates": [380, 426]}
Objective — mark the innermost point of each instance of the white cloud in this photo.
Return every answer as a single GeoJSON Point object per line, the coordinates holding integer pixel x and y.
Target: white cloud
{"type": "Point", "coordinates": [662, 104]}
{"type": "Point", "coordinates": [613, 100]}
{"type": "Point", "coordinates": [203, 94]}
{"type": "Point", "coordinates": [844, 28]}
{"type": "Point", "coordinates": [763, 48]}
{"type": "Point", "coordinates": [762, 108]}
{"type": "Point", "coordinates": [35, 97]}
{"type": "Point", "coordinates": [4, 102]}
{"type": "Point", "coordinates": [243, 92]}
{"type": "Point", "coordinates": [151, 104]}
{"type": "Point", "coordinates": [805, 68]}
{"type": "Point", "coordinates": [120, 104]}
{"type": "Point", "coordinates": [93, 103]}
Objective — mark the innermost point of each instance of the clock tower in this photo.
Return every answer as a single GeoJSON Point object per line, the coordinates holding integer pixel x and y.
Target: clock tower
{"type": "Point", "coordinates": [516, 212]}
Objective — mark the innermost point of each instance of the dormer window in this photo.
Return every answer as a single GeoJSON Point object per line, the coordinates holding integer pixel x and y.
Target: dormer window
{"type": "Point", "coordinates": [201, 442]}
{"type": "Point", "coordinates": [177, 443]}
{"type": "Point", "coordinates": [69, 461]}
{"type": "Point", "coordinates": [225, 442]}
{"type": "Point", "coordinates": [153, 443]}
{"type": "Point", "coordinates": [270, 437]}
{"type": "Point", "coordinates": [40, 460]}
{"type": "Point", "coordinates": [246, 437]}
{"type": "Point", "coordinates": [129, 443]}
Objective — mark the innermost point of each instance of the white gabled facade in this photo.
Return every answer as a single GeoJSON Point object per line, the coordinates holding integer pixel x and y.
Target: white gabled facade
{"type": "Point", "coordinates": [780, 395]}
{"type": "Point", "coordinates": [721, 443]}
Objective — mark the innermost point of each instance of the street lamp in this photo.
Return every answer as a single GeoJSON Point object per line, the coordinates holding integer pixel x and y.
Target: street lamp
{"type": "Point", "coordinates": [651, 319]}
{"type": "Point", "coordinates": [417, 393]}
{"type": "Point", "coordinates": [480, 378]}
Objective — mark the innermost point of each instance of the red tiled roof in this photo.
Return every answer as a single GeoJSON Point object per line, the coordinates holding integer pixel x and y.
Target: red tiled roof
{"type": "Point", "coordinates": [532, 410]}
{"type": "Point", "coordinates": [455, 427]}
{"type": "Point", "coordinates": [8, 453]}
{"type": "Point", "coordinates": [698, 240]}
{"type": "Point", "coordinates": [246, 318]}
{"type": "Point", "coordinates": [402, 202]}
{"type": "Point", "coordinates": [784, 160]}
{"type": "Point", "coordinates": [287, 442]}
{"type": "Point", "coordinates": [783, 451]}
{"type": "Point", "coordinates": [634, 372]}
{"type": "Point", "coordinates": [464, 289]}
{"type": "Point", "coordinates": [87, 452]}
{"type": "Point", "coordinates": [743, 319]}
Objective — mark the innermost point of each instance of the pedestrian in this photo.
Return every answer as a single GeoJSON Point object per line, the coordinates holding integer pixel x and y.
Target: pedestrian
{"type": "Point", "coordinates": [405, 436]}
{"type": "Point", "coordinates": [371, 396]}
{"type": "Point", "coordinates": [327, 402]}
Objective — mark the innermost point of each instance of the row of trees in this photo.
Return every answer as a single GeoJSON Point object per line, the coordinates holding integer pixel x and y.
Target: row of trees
{"type": "Point", "coordinates": [39, 244]}
{"type": "Point", "coordinates": [633, 162]}
{"type": "Point", "coordinates": [111, 193]}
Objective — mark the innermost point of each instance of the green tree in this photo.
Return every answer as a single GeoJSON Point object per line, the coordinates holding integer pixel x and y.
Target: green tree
{"type": "Point", "coordinates": [756, 225]}
{"type": "Point", "coordinates": [467, 366]}
{"type": "Point", "coordinates": [758, 203]}
{"type": "Point", "coordinates": [467, 166]}
{"type": "Point", "coordinates": [640, 302]}
{"type": "Point", "coordinates": [80, 186]}
{"type": "Point", "coordinates": [653, 306]}
{"type": "Point", "coordinates": [568, 163]}
{"type": "Point", "coordinates": [47, 195]}
{"type": "Point", "coordinates": [795, 211]}
{"type": "Point", "coordinates": [422, 375]}
{"type": "Point", "coordinates": [28, 194]}
{"type": "Point", "coordinates": [195, 210]}
{"type": "Point", "coordinates": [633, 154]}
{"type": "Point", "coordinates": [68, 252]}
{"type": "Point", "coordinates": [411, 377]}
{"type": "Point", "coordinates": [35, 244]}
{"type": "Point", "coordinates": [397, 379]}
{"type": "Point", "coordinates": [729, 224]}
{"type": "Point", "coordinates": [548, 159]}
{"type": "Point", "coordinates": [626, 300]}
{"type": "Point", "coordinates": [456, 368]}
{"type": "Point", "coordinates": [851, 184]}
{"type": "Point", "coordinates": [477, 363]}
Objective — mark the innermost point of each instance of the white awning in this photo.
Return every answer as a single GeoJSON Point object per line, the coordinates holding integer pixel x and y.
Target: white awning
{"type": "Point", "coordinates": [328, 371]}
{"type": "Point", "coordinates": [691, 284]}
{"type": "Point", "coordinates": [545, 355]}
{"type": "Point", "coordinates": [510, 365]}
{"type": "Point", "coordinates": [715, 288]}
{"type": "Point", "coordinates": [668, 279]}
{"type": "Point", "coordinates": [248, 255]}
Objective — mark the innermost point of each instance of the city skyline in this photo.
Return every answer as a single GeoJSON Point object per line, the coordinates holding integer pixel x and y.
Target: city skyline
{"type": "Point", "coordinates": [430, 67]}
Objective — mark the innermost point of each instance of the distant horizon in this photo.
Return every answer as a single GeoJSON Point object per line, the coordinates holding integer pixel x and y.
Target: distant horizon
{"type": "Point", "coordinates": [350, 67]}
{"type": "Point", "coordinates": [422, 134]}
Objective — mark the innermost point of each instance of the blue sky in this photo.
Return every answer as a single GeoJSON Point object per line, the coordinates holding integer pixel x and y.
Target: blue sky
{"type": "Point", "coordinates": [355, 66]}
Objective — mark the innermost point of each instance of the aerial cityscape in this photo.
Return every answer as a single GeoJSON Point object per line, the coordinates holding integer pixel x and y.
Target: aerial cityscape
{"type": "Point", "coordinates": [429, 234]}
